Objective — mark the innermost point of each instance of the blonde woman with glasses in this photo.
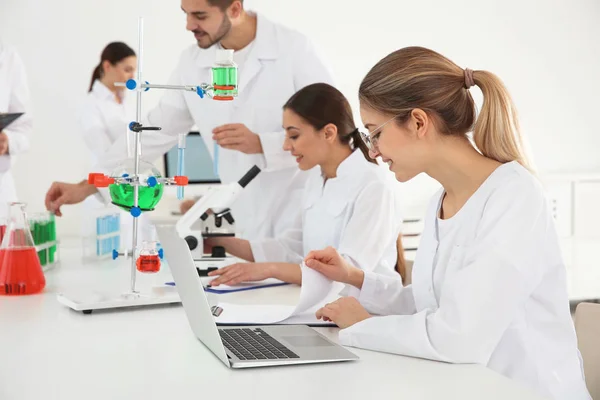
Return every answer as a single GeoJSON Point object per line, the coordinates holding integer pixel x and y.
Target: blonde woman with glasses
{"type": "Point", "coordinates": [488, 284]}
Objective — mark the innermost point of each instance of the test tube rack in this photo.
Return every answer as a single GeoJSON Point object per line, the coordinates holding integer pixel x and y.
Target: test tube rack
{"type": "Point", "coordinates": [43, 232]}
{"type": "Point", "coordinates": [102, 234]}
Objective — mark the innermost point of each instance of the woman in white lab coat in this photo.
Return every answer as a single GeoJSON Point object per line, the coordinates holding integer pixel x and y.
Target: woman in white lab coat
{"type": "Point", "coordinates": [488, 284]}
{"type": "Point", "coordinates": [345, 191]}
{"type": "Point", "coordinates": [14, 140]}
{"type": "Point", "coordinates": [104, 117]}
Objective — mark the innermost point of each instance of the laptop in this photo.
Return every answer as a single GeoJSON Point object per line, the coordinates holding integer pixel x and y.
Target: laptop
{"type": "Point", "coordinates": [241, 346]}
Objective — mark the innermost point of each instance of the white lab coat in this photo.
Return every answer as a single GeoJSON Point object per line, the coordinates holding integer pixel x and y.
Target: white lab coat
{"type": "Point", "coordinates": [14, 97]}
{"type": "Point", "coordinates": [280, 62]}
{"type": "Point", "coordinates": [337, 212]}
{"type": "Point", "coordinates": [102, 122]}
{"type": "Point", "coordinates": [500, 300]}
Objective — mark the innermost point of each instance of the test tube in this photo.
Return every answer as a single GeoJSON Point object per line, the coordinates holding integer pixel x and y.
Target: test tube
{"type": "Point", "coordinates": [216, 159]}
{"type": "Point", "coordinates": [180, 162]}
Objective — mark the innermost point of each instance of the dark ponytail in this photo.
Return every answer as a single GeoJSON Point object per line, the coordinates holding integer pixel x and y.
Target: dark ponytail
{"type": "Point", "coordinates": [97, 74]}
{"type": "Point", "coordinates": [358, 143]}
{"type": "Point", "coordinates": [113, 53]}
{"type": "Point", "coordinates": [320, 104]}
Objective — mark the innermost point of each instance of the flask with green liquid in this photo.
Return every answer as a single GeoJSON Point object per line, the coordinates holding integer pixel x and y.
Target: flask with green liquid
{"type": "Point", "coordinates": [224, 76]}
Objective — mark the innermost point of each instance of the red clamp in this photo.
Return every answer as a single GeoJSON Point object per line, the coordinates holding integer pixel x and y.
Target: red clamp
{"type": "Point", "coordinates": [93, 176]}
{"type": "Point", "coordinates": [181, 180]}
{"type": "Point", "coordinates": [100, 180]}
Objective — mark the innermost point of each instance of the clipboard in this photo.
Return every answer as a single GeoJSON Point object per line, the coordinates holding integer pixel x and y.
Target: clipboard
{"type": "Point", "coordinates": [8, 118]}
{"type": "Point", "coordinates": [216, 289]}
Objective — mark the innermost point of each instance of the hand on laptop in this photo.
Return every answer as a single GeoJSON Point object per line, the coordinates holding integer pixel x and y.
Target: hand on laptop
{"type": "Point", "coordinates": [344, 312]}
{"type": "Point", "coordinates": [241, 272]}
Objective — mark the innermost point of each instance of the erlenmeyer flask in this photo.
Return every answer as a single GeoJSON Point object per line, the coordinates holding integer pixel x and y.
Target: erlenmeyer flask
{"type": "Point", "coordinates": [20, 269]}
{"type": "Point", "coordinates": [148, 260]}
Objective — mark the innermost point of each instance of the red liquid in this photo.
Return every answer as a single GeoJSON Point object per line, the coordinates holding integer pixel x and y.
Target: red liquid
{"type": "Point", "coordinates": [2, 231]}
{"type": "Point", "coordinates": [148, 264]}
{"type": "Point", "coordinates": [20, 272]}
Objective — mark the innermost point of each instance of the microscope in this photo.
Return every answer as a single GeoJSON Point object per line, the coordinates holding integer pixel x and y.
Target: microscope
{"type": "Point", "coordinates": [216, 201]}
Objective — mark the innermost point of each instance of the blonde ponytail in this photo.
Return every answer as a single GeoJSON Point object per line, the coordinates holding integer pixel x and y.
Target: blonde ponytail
{"type": "Point", "coordinates": [497, 134]}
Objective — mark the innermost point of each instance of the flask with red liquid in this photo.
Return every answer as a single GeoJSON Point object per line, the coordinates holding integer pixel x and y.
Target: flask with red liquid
{"type": "Point", "coordinates": [149, 258]}
{"type": "Point", "coordinates": [20, 269]}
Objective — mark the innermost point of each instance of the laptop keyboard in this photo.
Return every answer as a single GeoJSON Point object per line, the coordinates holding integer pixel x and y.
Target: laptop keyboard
{"type": "Point", "coordinates": [254, 344]}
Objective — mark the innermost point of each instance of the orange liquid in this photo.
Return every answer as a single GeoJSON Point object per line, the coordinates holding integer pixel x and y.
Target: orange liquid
{"type": "Point", "coordinates": [148, 264]}
{"type": "Point", "coordinates": [20, 272]}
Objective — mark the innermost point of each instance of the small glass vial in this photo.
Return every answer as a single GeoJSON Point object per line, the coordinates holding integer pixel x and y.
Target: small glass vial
{"type": "Point", "coordinates": [224, 76]}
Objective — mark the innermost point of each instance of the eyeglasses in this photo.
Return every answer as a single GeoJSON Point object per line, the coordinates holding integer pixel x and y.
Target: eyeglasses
{"type": "Point", "coordinates": [372, 138]}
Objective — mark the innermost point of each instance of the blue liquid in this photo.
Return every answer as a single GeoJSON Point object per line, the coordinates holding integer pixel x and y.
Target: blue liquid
{"type": "Point", "coordinates": [216, 159]}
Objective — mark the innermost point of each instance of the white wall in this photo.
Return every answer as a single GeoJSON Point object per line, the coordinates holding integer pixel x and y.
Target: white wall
{"type": "Point", "coordinates": [547, 52]}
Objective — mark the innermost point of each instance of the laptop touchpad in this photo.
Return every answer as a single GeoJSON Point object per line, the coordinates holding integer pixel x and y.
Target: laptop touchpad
{"type": "Point", "coordinates": [306, 341]}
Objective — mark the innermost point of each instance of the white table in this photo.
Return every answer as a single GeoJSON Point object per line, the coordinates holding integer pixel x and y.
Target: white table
{"type": "Point", "coordinates": [51, 352]}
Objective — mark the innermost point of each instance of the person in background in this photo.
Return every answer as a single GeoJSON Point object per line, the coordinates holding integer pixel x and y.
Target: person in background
{"type": "Point", "coordinates": [104, 118]}
{"type": "Point", "coordinates": [274, 62]}
{"type": "Point", "coordinates": [15, 138]}
{"type": "Point", "coordinates": [346, 190]}
{"type": "Point", "coordinates": [489, 282]}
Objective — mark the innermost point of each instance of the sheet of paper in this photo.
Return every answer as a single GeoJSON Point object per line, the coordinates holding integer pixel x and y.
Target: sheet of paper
{"type": "Point", "coordinates": [252, 314]}
{"type": "Point", "coordinates": [315, 291]}
{"type": "Point", "coordinates": [315, 288]}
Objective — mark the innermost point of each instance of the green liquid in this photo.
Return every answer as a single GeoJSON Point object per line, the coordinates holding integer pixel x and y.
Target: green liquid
{"type": "Point", "coordinates": [225, 76]}
{"type": "Point", "coordinates": [122, 196]}
{"type": "Point", "coordinates": [44, 232]}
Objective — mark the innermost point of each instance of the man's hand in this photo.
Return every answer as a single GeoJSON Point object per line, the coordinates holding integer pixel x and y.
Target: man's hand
{"type": "Point", "coordinates": [237, 137]}
{"type": "Point", "coordinates": [3, 144]}
{"type": "Point", "coordinates": [61, 193]}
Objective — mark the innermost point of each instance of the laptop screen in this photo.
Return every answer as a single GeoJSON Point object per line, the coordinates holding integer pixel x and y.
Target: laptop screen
{"type": "Point", "coordinates": [198, 162]}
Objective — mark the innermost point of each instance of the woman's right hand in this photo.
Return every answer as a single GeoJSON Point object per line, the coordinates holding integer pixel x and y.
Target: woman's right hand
{"type": "Point", "coordinates": [332, 265]}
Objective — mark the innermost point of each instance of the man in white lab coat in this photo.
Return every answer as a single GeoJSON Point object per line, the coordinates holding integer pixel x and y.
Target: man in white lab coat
{"type": "Point", "coordinates": [274, 62]}
{"type": "Point", "coordinates": [14, 139]}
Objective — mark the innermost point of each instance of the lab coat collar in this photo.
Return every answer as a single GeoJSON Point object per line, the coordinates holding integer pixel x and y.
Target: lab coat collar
{"type": "Point", "coordinates": [102, 92]}
{"type": "Point", "coordinates": [264, 45]}
{"type": "Point", "coordinates": [353, 163]}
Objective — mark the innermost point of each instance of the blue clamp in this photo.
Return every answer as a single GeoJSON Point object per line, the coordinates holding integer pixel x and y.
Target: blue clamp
{"type": "Point", "coordinates": [135, 212]}
{"type": "Point", "coordinates": [161, 253]}
{"type": "Point", "coordinates": [132, 125]}
{"type": "Point", "coordinates": [152, 181]}
{"type": "Point", "coordinates": [125, 175]}
{"type": "Point", "coordinates": [131, 84]}
{"type": "Point", "coordinates": [147, 83]}
{"type": "Point", "coordinates": [200, 92]}
{"type": "Point", "coordinates": [115, 254]}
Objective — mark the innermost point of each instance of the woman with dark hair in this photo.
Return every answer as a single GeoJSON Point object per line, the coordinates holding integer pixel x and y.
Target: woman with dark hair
{"type": "Point", "coordinates": [103, 117]}
{"type": "Point", "coordinates": [346, 192]}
